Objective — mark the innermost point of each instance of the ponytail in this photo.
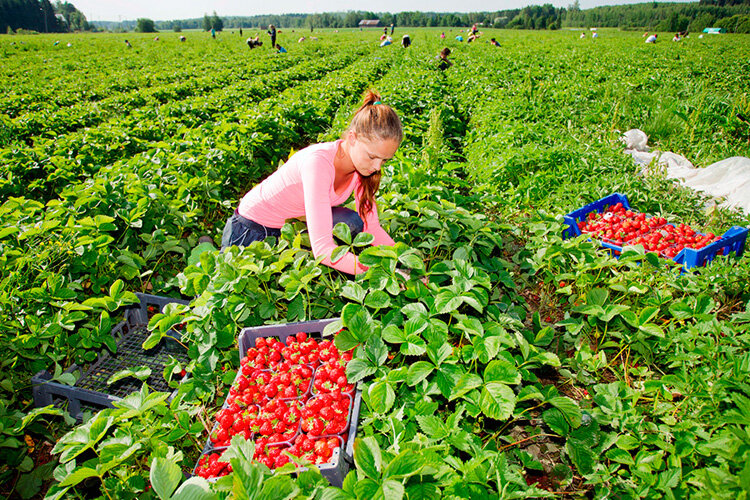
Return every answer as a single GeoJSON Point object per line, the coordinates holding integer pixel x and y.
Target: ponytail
{"type": "Point", "coordinates": [374, 121]}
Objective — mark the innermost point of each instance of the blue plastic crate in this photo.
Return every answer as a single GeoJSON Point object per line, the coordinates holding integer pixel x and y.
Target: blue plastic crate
{"type": "Point", "coordinates": [732, 240]}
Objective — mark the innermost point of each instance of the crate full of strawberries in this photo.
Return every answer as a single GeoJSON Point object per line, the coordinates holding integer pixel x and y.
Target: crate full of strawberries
{"type": "Point", "coordinates": [292, 398]}
{"type": "Point", "coordinates": [613, 223]}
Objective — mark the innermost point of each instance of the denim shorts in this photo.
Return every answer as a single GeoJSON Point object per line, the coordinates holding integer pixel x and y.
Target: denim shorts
{"type": "Point", "coordinates": [242, 231]}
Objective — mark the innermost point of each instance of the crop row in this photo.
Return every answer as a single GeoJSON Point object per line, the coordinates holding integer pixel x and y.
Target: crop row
{"type": "Point", "coordinates": [50, 164]}
{"type": "Point", "coordinates": [55, 79]}
{"type": "Point", "coordinates": [143, 214]}
{"type": "Point", "coordinates": [52, 123]}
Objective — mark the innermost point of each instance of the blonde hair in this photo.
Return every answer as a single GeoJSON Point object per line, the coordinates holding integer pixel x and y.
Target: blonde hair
{"type": "Point", "coordinates": [374, 121]}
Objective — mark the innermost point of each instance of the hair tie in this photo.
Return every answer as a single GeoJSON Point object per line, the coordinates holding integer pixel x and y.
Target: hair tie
{"type": "Point", "coordinates": [376, 103]}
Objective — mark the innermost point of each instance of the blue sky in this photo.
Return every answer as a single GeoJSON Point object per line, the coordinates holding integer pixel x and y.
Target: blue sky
{"type": "Point", "coordinates": [160, 10]}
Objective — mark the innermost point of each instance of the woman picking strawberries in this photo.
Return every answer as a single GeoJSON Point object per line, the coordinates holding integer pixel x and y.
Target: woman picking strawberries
{"type": "Point", "coordinates": [319, 178]}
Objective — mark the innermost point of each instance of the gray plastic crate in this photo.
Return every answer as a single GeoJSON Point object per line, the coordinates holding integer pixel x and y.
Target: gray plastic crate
{"type": "Point", "coordinates": [336, 470]}
{"type": "Point", "coordinates": [91, 392]}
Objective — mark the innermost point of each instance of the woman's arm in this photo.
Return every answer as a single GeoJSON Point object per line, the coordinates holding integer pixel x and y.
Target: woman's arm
{"type": "Point", "coordinates": [317, 179]}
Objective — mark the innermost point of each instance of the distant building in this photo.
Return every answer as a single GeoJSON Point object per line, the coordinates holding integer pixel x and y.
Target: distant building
{"type": "Point", "coordinates": [714, 31]}
{"type": "Point", "coordinates": [61, 18]}
{"type": "Point", "coordinates": [369, 23]}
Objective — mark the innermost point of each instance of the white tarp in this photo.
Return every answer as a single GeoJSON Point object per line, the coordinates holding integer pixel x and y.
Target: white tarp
{"type": "Point", "coordinates": [727, 180]}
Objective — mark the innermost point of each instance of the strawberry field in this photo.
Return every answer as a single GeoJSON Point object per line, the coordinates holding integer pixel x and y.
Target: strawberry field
{"type": "Point", "coordinates": [509, 363]}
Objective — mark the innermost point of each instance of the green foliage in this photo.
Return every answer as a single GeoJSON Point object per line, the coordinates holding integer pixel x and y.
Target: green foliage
{"type": "Point", "coordinates": [144, 25]}
{"type": "Point", "coordinates": [495, 359]}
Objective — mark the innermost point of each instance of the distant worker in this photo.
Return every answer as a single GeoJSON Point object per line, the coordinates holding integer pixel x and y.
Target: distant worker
{"type": "Point", "coordinates": [442, 57]}
{"type": "Point", "coordinates": [644, 35]}
{"type": "Point", "coordinates": [272, 33]}
{"type": "Point", "coordinates": [182, 38]}
{"type": "Point", "coordinates": [213, 33]}
{"type": "Point", "coordinates": [254, 42]}
{"type": "Point", "coordinates": [388, 40]}
{"type": "Point", "coordinates": [676, 37]}
{"type": "Point", "coordinates": [595, 35]}
{"type": "Point", "coordinates": [280, 49]}
{"type": "Point", "coordinates": [459, 38]}
{"type": "Point", "coordinates": [392, 28]}
{"type": "Point", "coordinates": [651, 39]}
{"type": "Point", "coordinates": [583, 35]}
{"type": "Point", "coordinates": [385, 31]}
{"type": "Point", "coordinates": [405, 41]}
{"type": "Point", "coordinates": [301, 39]}
{"type": "Point", "coordinates": [442, 35]}
{"type": "Point", "coordinates": [156, 38]}
{"type": "Point", "coordinates": [240, 30]}
{"type": "Point", "coordinates": [494, 42]}
{"type": "Point", "coordinates": [128, 44]}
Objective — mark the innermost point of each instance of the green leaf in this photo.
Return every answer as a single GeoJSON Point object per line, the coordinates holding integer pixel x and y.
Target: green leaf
{"type": "Point", "coordinates": [581, 456]}
{"type": "Point", "coordinates": [446, 301]}
{"type": "Point", "coordinates": [464, 384]}
{"type": "Point", "coordinates": [620, 456]}
{"type": "Point", "coordinates": [501, 370]}
{"type": "Point", "coordinates": [627, 442]}
{"type": "Point", "coordinates": [497, 401]}
{"type": "Point", "coordinates": [422, 491]}
{"type": "Point", "coordinates": [393, 490]}
{"type": "Point", "coordinates": [382, 397]}
{"type": "Point", "coordinates": [165, 475]}
{"type": "Point", "coordinates": [353, 291]}
{"type": "Point", "coordinates": [369, 489]}
{"type": "Point", "coordinates": [556, 421]}
{"type": "Point", "coordinates": [569, 408]}
{"type": "Point", "coordinates": [418, 371]}
{"type": "Point", "coordinates": [597, 296]}
{"type": "Point", "coordinates": [153, 340]}
{"type": "Point", "coordinates": [278, 488]}
{"type": "Point", "coordinates": [367, 457]}
{"type": "Point", "coordinates": [405, 464]}
{"type": "Point", "coordinates": [414, 346]}
{"type": "Point", "coordinates": [411, 261]}
{"type": "Point", "coordinates": [358, 369]}
{"type": "Point", "coordinates": [652, 329]}
{"type": "Point", "coordinates": [140, 372]}
{"type": "Point", "coordinates": [343, 233]}
{"type": "Point", "coordinates": [377, 299]}
{"type": "Point", "coordinates": [432, 426]}
{"type": "Point", "coordinates": [363, 239]}
{"type": "Point", "coordinates": [78, 475]}
{"type": "Point", "coordinates": [338, 253]}
{"type": "Point", "coordinates": [195, 488]}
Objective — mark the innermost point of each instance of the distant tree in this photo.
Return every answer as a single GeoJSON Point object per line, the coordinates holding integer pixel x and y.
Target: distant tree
{"type": "Point", "coordinates": [705, 20]}
{"type": "Point", "coordinates": [74, 18]}
{"type": "Point", "coordinates": [213, 21]}
{"type": "Point", "coordinates": [177, 26]}
{"type": "Point", "coordinates": [144, 25]}
{"type": "Point", "coordinates": [216, 22]}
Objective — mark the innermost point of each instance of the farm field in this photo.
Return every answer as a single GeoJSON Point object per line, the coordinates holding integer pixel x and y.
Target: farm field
{"type": "Point", "coordinates": [511, 364]}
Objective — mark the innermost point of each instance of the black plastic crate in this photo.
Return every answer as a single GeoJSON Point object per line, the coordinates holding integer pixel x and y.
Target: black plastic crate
{"type": "Point", "coordinates": [91, 392]}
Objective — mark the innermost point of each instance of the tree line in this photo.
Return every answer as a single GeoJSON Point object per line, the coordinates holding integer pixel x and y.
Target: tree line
{"type": "Point", "coordinates": [733, 15]}
{"type": "Point", "coordinates": [41, 16]}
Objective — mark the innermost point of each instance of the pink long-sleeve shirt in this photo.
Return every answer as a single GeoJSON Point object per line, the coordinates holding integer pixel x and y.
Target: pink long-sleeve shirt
{"type": "Point", "coordinates": [303, 186]}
